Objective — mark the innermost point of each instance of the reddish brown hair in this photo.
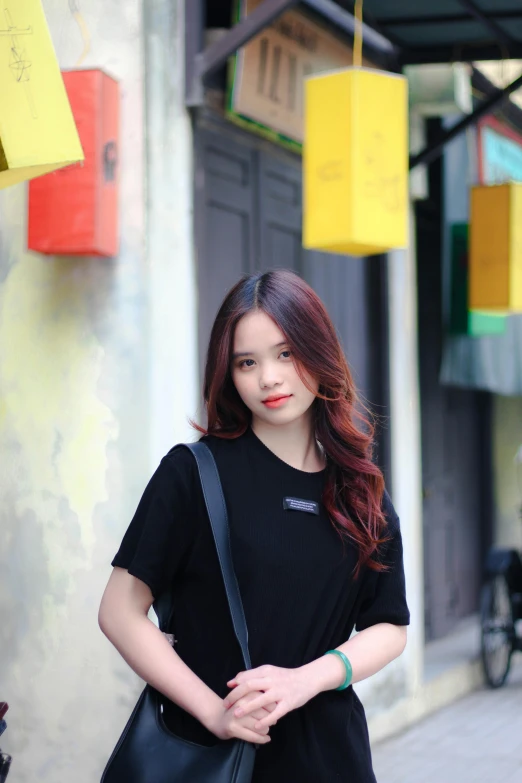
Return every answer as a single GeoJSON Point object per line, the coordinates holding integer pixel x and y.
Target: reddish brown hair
{"type": "Point", "coordinates": [354, 484]}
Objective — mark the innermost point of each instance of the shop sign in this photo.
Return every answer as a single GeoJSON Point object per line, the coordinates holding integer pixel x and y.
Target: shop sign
{"type": "Point", "coordinates": [266, 84]}
{"type": "Point", "coordinates": [500, 153]}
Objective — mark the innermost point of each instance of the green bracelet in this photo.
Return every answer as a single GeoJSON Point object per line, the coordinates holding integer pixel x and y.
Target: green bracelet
{"type": "Point", "coordinates": [347, 666]}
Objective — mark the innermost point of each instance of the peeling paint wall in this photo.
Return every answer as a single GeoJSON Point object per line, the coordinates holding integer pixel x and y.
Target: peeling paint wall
{"type": "Point", "coordinates": [79, 341]}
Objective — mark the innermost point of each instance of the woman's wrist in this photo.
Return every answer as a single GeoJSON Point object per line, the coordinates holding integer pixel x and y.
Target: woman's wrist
{"type": "Point", "coordinates": [324, 674]}
{"type": "Point", "coordinates": [210, 711]}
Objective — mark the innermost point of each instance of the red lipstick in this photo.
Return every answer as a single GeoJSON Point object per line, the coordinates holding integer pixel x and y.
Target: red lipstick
{"type": "Point", "coordinates": [276, 400]}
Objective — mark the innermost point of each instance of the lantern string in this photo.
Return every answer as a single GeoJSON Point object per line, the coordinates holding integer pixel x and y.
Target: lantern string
{"type": "Point", "coordinates": [358, 34]}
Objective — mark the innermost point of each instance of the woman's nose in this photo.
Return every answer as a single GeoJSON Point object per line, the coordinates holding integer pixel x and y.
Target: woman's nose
{"type": "Point", "coordinates": [269, 377]}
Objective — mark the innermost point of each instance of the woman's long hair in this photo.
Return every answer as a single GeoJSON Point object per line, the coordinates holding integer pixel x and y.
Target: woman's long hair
{"type": "Point", "coordinates": [354, 484]}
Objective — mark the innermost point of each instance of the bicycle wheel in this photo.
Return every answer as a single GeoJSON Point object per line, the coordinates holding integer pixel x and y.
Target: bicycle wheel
{"type": "Point", "coordinates": [497, 630]}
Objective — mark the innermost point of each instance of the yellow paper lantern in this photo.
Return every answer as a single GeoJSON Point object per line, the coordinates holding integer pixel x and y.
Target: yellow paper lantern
{"type": "Point", "coordinates": [495, 264]}
{"type": "Point", "coordinates": [37, 129]}
{"type": "Point", "coordinates": [355, 159]}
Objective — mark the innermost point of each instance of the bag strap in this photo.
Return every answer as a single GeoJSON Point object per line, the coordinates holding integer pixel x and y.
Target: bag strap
{"type": "Point", "coordinates": [217, 514]}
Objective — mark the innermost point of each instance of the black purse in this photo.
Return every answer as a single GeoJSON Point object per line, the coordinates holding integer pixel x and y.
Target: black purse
{"type": "Point", "coordinates": [147, 752]}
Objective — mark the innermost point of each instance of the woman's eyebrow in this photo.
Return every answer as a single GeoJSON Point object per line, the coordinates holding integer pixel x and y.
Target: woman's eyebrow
{"type": "Point", "coordinates": [250, 353]}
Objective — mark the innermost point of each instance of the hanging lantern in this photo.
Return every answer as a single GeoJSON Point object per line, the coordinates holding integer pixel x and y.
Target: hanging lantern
{"type": "Point", "coordinates": [495, 282]}
{"type": "Point", "coordinates": [75, 211]}
{"type": "Point", "coordinates": [462, 320]}
{"type": "Point", "coordinates": [355, 159]}
{"type": "Point", "coordinates": [37, 130]}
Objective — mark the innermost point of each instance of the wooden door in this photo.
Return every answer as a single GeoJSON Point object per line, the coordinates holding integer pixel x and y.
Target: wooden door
{"type": "Point", "coordinates": [249, 217]}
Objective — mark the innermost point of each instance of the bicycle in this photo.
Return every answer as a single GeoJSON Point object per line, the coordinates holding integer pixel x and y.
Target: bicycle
{"type": "Point", "coordinates": [500, 610]}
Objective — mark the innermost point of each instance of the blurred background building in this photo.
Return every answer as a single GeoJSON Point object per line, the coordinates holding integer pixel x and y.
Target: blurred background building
{"type": "Point", "coordinates": [101, 358]}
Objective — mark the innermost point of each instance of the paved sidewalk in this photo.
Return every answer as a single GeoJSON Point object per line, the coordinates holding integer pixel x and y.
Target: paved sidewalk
{"type": "Point", "coordinates": [476, 740]}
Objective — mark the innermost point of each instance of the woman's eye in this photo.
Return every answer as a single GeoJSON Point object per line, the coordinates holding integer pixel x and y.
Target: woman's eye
{"type": "Point", "coordinates": [243, 363]}
{"type": "Point", "coordinates": [288, 354]}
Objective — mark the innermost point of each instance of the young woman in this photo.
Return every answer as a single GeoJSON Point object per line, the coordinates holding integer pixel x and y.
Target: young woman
{"type": "Point", "coordinates": [315, 541]}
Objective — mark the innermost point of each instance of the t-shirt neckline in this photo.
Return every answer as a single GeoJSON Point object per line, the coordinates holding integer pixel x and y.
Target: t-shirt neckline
{"type": "Point", "coordinates": [263, 448]}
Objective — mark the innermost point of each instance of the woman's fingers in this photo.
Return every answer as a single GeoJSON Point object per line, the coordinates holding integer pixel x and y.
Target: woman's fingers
{"type": "Point", "coordinates": [270, 720]}
{"type": "Point", "coordinates": [244, 707]}
{"type": "Point", "coordinates": [253, 736]}
{"type": "Point", "coordinates": [240, 691]}
{"type": "Point", "coordinates": [239, 727]}
{"type": "Point", "coordinates": [268, 708]}
{"type": "Point", "coordinates": [263, 731]}
{"type": "Point", "coordinates": [260, 671]}
{"type": "Point", "coordinates": [259, 714]}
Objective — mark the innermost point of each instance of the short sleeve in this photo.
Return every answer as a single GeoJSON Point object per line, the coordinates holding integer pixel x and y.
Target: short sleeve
{"type": "Point", "coordinates": [384, 592]}
{"type": "Point", "coordinates": [157, 538]}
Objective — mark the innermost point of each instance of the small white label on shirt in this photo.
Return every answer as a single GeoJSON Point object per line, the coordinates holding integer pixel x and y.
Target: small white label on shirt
{"type": "Point", "coordinates": [297, 504]}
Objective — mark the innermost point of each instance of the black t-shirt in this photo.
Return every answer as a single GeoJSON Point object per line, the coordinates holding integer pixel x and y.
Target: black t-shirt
{"type": "Point", "coordinates": [296, 581]}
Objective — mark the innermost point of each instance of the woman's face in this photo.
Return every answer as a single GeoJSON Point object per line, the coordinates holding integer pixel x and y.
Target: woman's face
{"type": "Point", "coordinates": [264, 372]}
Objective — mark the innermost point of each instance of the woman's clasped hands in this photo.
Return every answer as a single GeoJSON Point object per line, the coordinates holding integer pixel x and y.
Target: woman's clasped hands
{"type": "Point", "coordinates": [227, 725]}
{"type": "Point", "coordinates": [270, 688]}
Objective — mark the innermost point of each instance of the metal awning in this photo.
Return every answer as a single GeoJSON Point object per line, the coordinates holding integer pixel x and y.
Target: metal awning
{"type": "Point", "coordinates": [430, 31]}
{"type": "Point", "coordinates": [491, 364]}
{"type": "Point", "coordinates": [396, 32]}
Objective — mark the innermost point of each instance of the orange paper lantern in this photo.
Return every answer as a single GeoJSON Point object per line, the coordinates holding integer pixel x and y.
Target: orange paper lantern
{"type": "Point", "coordinates": [74, 211]}
{"type": "Point", "coordinates": [495, 279]}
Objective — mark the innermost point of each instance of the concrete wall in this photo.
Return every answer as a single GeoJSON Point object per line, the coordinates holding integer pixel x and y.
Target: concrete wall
{"type": "Point", "coordinates": [97, 378]}
{"type": "Point", "coordinates": [507, 446]}
{"type": "Point", "coordinates": [398, 683]}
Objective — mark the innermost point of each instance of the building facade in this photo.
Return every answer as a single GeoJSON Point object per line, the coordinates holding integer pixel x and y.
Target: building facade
{"type": "Point", "coordinates": [100, 369]}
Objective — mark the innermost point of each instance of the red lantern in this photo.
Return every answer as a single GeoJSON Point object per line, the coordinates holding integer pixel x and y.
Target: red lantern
{"type": "Point", "coordinates": [74, 211]}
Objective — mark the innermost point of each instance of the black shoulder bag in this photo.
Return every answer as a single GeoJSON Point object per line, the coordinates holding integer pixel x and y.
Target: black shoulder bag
{"type": "Point", "coordinates": [147, 752]}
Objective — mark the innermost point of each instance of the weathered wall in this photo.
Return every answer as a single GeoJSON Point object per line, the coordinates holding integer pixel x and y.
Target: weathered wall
{"type": "Point", "coordinates": [84, 417]}
{"type": "Point", "coordinates": [399, 681]}
{"type": "Point", "coordinates": [507, 445]}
